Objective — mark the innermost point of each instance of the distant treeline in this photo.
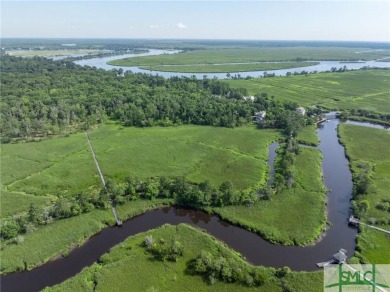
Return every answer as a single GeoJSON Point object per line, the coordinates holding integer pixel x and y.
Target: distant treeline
{"type": "Point", "coordinates": [42, 97]}
{"type": "Point", "coordinates": [103, 54]}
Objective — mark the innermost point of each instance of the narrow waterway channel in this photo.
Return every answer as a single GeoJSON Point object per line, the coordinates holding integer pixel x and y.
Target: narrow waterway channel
{"type": "Point", "coordinates": [337, 178]}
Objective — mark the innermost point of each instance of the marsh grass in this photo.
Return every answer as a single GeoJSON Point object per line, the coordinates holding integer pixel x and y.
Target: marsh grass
{"type": "Point", "coordinates": [65, 166]}
{"type": "Point", "coordinates": [362, 89]}
{"type": "Point", "coordinates": [127, 267]}
{"type": "Point", "coordinates": [369, 146]}
{"type": "Point", "coordinates": [308, 136]}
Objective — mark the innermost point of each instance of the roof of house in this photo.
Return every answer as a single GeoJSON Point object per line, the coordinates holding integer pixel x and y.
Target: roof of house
{"type": "Point", "coordinates": [340, 256]}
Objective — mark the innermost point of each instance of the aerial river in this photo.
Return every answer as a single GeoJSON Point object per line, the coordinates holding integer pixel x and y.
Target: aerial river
{"type": "Point", "coordinates": [321, 67]}
{"type": "Point", "coordinates": [337, 179]}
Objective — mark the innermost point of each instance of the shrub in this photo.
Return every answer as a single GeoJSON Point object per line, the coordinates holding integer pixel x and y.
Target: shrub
{"type": "Point", "coordinates": [226, 269]}
{"type": "Point", "coordinates": [162, 250]}
{"type": "Point", "coordinates": [149, 241]}
{"type": "Point", "coordinates": [10, 229]}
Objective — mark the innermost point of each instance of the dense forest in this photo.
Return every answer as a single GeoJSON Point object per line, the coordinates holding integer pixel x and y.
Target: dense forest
{"type": "Point", "coordinates": [41, 97]}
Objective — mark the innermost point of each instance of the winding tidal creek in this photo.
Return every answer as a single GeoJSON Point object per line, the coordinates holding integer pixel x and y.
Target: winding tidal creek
{"type": "Point", "coordinates": [337, 179]}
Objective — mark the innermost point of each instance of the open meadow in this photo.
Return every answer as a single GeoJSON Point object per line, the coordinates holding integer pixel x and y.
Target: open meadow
{"type": "Point", "coordinates": [225, 68]}
{"type": "Point", "coordinates": [369, 153]}
{"type": "Point", "coordinates": [363, 89]}
{"type": "Point", "coordinates": [260, 54]}
{"type": "Point", "coordinates": [64, 166]}
{"type": "Point", "coordinates": [128, 266]}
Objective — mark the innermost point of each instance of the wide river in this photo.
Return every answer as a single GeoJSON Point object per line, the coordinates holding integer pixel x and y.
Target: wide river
{"type": "Point", "coordinates": [337, 179]}
{"type": "Point", "coordinates": [321, 67]}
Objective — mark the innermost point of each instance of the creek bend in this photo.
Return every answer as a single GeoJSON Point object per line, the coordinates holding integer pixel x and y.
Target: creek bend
{"type": "Point", "coordinates": [337, 179]}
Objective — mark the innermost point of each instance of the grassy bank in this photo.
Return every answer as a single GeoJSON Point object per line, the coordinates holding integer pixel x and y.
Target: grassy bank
{"type": "Point", "coordinates": [363, 89]}
{"type": "Point", "coordinates": [294, 216]}
{"type": "Point", "coordinates": [227, 68]}
{"type": "Point", "coordinates": [128, 267]}
{"type": "Point", "coordinates": [308, 136]}
{"type": "Point", "coordinates": [260, 54]}
{"type": "Point", "coordinates": [369, 153]}
{"type": "Point", "coordinates": [56, 239]}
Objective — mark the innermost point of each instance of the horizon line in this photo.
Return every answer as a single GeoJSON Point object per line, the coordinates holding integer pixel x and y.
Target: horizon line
{"type": "Point", "coordinates": [193, 39]}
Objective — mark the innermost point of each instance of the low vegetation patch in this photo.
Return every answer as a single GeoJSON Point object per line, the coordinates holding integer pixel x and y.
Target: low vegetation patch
{"type": "Point", "coordinates": [308, 136]}
{"type": "Point", "coordinates": [10, 208]}
{"type": "Point", "coordinates": [205, 265]}
{"type": "Point", "coordinates": [369, 155]}
{"type": "Point", "coordinates": [363, 89]}
{"type": "Point", "coordinates": [64, 166]}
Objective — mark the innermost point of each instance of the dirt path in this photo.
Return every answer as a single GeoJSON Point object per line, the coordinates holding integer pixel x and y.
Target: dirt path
{"type": "Point", "coordinates": [118, 221]}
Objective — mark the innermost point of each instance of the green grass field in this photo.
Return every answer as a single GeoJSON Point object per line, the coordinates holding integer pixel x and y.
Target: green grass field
{"type": "Point", "coordinates": [225, 68]}
{"type": "Point", "coordinates": [238, 55]}
{"type": "Point", "coordinates": [371, 146]}
{"type": "Point", "coordinates": [57, 166]}
{"type": "Point", "coordinates": [308, 136]}
{"type": "Point", "coordinates": [280, 219]}
{"type": "Point", "coordinates": [128, 267]}
{"type": "Point", "coordinates": [64, 165]}
{"type": "Point", "coordinates": [367, 89]}
{"type": "Point", "coordinates": [200, 153]}
{"type": "Point", "coordinates": [14, 203]}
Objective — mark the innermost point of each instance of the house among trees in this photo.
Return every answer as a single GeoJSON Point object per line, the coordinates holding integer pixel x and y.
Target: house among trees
{"type": "Point", "coordinates": [259, 116]}
{"type": "Point", "coordinates": [249, 97]}
{"type": "Point", "coordinates": [301, 110]}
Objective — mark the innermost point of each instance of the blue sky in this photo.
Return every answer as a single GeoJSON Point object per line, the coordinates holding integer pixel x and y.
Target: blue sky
{"type": "Point", "coordinates": [259, 20]}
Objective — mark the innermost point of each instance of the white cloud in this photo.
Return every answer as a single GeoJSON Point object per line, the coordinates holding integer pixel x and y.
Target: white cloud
{"type": "Point", "coordinates": [181, 25]}
{"type": "Point", "coordinates": [178, 25]}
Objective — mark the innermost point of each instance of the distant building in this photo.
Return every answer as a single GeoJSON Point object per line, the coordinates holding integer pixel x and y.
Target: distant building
{"type": "Point", "coordinates": [249, 97]}
{"type": "Point", "coordinates": [301, 110]}
{"type": "Point", "coordinates": [259, 116]}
